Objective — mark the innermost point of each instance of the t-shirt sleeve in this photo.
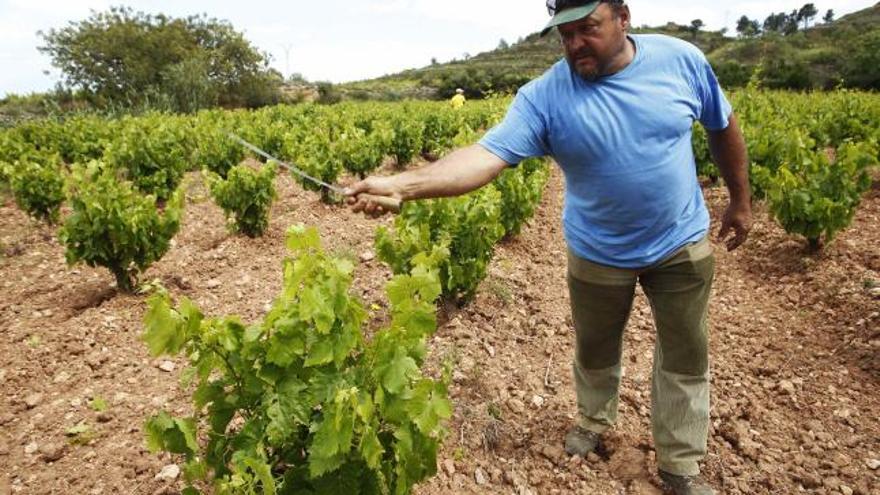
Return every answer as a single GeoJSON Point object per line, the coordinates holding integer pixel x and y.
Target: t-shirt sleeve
{"type": "Point", "coordinates": [521, 135]}
{"type": "Point", "coordinates": [715, 109]}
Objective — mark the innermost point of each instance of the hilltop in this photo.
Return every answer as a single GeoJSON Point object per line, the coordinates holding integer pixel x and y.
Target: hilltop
{"type": "Point", "coordinates": [818, 57]}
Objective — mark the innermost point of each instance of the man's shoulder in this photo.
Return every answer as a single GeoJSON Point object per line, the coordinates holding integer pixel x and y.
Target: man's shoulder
{"type": "Point", "coordinates": [667, 47]}
{"type": "Point", "coordinates": [552, 78]}
{"type": "Point", "coordinates": [666, 41]}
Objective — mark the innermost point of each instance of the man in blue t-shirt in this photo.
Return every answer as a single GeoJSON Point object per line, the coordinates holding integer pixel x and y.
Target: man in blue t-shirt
{"type": "Point", "coordinates": [616, 114]}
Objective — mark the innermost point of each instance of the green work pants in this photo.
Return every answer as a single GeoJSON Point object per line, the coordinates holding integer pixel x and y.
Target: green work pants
{"type": "Point", "coordinates": [678, 290]}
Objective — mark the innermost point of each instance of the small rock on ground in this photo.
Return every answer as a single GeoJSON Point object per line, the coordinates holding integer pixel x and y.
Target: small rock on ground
{"type": "Point", "coordinates": [53, 451]}
{"type": "Point", "coordinates": [480, 476]}
{"type": "Point", "coordinates": [168, 473]}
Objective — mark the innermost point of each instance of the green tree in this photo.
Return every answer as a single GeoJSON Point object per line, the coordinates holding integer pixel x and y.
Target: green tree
{"type": "Point", "coordinates": [125, 57]}
{"type": "Point", "coordinates": [807, 13]}
{"type": "Point", "coordinates": [863, 64]}
{"type": "Point", "coordinates": [829, 16]}
{"type": "Point", "coordinates": [695, 27]}
{"type": "Point", "coordinates": [188, 86]}
{"type": "Point", "coordinates": [792, 22]}
{"type": "Point", "coordinates": [775, 23]}
{"type": "Point", "coordinates": [747, 28]}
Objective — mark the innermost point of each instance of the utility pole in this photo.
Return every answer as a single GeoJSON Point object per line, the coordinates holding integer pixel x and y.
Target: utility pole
{"type": "Point", "coordinates": [287, 48]}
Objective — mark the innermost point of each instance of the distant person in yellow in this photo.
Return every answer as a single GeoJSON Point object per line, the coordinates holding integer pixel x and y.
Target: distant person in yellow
{"type": "Point", "coordinates": [457, 101]}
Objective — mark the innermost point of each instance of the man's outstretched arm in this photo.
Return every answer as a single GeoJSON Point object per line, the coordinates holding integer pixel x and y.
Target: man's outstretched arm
{"type": "Point", "coordinates": [457, 173]}
{"type": "Point", "coordinates": [729, 153]}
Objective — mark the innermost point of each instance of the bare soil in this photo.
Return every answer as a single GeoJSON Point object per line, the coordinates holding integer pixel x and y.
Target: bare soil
{"type": "Point", "coordinates": [795, 345]}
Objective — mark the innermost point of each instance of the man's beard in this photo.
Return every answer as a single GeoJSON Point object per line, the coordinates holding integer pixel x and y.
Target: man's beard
{"type": "Point", "coordinates": [590, 74]}
{"type": "Point", "coordinates": [602, 65]}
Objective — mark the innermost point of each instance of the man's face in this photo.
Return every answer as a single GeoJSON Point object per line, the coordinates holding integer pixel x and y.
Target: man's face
{"type": "Point", "coordinates": [593, 43]}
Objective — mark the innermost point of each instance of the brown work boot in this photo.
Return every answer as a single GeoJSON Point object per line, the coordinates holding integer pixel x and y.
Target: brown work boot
{"type": "Point", "coordinates": [686, 485]}
{"type": "Point", "coordinates": [581, 441]}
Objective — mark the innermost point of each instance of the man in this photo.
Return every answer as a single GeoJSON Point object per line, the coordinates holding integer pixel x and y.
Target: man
{"type": "Point", "coordinates": [457, 100]}
{"type": "Point", "coordinates": [616, 114]}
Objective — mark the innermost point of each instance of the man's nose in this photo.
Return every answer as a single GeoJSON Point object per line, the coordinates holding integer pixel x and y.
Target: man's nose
{"type": "Point", "coordinates": [575, 43]}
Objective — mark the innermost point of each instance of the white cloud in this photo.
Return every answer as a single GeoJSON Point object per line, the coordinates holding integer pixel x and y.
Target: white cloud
{"type": "Point", "coordinates": [385, 6]}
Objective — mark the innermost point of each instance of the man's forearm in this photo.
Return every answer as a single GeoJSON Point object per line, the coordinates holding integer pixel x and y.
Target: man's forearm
{"type": "Point", "coordinates": [457, 173]}
{"type": "Point", "coordinates": [729, 153]}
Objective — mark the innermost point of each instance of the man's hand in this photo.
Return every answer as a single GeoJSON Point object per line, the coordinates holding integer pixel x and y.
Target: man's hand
{"type": "Point", "coordinates": [457, 173]}
{"type": "Point", "coordinates": [377, 186]}
{"type": "Point", "coordinates": [728, 150]}
{"type": "Point", "coordinates": [738, 220]}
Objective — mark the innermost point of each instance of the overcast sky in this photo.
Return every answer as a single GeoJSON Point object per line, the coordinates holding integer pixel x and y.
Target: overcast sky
{"type": "Point", "coordinates": [345, 40]}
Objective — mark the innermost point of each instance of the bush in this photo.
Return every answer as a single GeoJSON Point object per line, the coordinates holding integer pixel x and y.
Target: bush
{"type": "Point", "coordinates": [732, 74]}
{"type": "Point", "coordinates": [85, 138]}
{"type": "Point", "coordinates": [786, 73]}
{"type": "Point", "coordinates": [817, 198]}
{"type": "Point", "coordinates": [328, 94]}
{"type": "Point", "coordinates": [38, 187]}
{"type": "Point", "coordinates": [441, 127]}
{"type": "Point", "coordinates": [407, 138]}
{"type": "Point", "coordinates": [477, 83]}
{"type": "Point", "coordinates": [362, 151]}
{"type": "Point", "coordinates": [245, 196]}
{"type": "Point", "coordinates": [12, 146]}
{"type": "Point", "coordinates": [314, 154]}
{"type": "Point", "coordinates": [702, 154]}
{"type": "Point", "coordinates": [299, 403]}
{"type": "Point", "coordinates": [521, 191]}
{"type": "Point", "coordinates": [213, 148]}
{"type": "Point", "coordinates": [113, 226]}
{"type": "Point", "coordinates": [458, 232]}
{"type": "Point", "coordinates": [153, 151]}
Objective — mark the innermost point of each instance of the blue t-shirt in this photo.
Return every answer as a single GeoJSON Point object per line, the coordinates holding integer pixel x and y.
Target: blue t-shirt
{"type": "Point", "coordinates": [624, 144]}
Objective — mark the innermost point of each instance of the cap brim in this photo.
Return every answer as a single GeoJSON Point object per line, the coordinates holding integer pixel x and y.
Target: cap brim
{"type": "Point", "coordinates": [570, 15]}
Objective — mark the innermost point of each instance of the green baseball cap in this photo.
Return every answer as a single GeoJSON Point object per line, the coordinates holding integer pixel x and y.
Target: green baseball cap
{"type": "Point", "coordinates": [568, 14]}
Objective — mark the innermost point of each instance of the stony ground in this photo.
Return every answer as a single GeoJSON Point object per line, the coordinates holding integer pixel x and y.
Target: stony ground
{"type": "Point", "coordinates": [795, 345]}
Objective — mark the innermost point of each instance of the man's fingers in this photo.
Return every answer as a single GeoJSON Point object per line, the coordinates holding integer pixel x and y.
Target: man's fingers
{"type": "Point", "coordinates": [358, 205]}
{"type": "Point", "coordinates": [370, 207]}
{"type": "Point", "coordinates": [725, 229]}
{"type": "Point", "coordinates": [350, 199]}
{"type": "Point", "coordinates": [741, 235]}
{"type": "Point", "coordinates": [356, 188]}
{"type": "Point", "coordinates": [363, 205]}
{"type": "Point", "coordinates": [739, 239]}
{"type": "Point", "coordinates": [732, 244]}
{"type": "Point", "coordinates": [370, 196]}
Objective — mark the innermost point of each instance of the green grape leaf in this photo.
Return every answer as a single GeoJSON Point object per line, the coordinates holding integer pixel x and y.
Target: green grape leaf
{"type": "Point", "coordinates": [174, 435]}
{"type": "Point", "coordinates": [164, 333]}
{"type": "Point", "coordinates": [397, 372]}
{"type": "Point", "coordinates": [428, 406]}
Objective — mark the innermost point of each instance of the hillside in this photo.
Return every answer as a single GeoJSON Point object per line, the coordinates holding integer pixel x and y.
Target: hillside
{"type": "Point", "coordinates": [818, 57]}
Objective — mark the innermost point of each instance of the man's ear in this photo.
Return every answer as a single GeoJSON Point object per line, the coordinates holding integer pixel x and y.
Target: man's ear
{"type": "Point", "coordinates": [625, 18]}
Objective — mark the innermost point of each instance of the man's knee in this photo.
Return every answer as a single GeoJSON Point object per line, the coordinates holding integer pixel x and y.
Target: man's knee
{"type": "Point", "coordinates": [686, 352]}
{"type": "Point", "coordinates": [599, 314]}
